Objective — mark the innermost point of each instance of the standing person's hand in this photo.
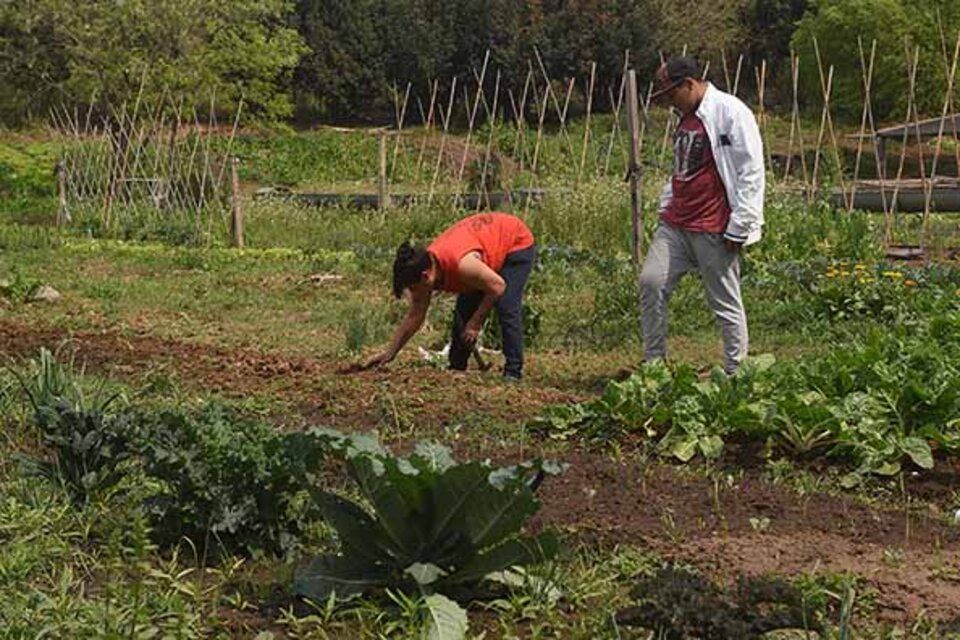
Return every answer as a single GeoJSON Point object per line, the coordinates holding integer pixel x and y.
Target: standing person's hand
{"type": "Point", "coordinates": [732, 247]}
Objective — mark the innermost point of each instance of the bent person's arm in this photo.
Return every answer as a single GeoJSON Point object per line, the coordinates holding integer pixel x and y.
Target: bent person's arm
{"type": "Point", "coordinates": [411, 323]}
{"type": "Point", "coordinates": [477, 275]}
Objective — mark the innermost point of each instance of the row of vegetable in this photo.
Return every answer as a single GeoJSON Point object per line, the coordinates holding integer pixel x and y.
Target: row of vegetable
{"type": "Point", "coordinates": [873, 403]}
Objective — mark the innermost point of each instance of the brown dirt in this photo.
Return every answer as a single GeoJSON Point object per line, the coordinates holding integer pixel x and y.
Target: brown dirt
{"type": "Point", "coordinates": [680, 514]}
{"type": "Point", "coordinates": [422, 395]}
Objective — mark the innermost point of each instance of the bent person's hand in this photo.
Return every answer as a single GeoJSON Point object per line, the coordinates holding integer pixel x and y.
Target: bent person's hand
{"type": "Point", "coordinates": [378, 360]}
{"type": "Point", "coordinates": [470, 334]}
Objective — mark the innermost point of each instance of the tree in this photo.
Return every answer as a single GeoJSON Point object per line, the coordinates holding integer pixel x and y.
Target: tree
{"type": "Point", "coordinates": [191, 49]}
{"type": "Point", "coordinates": [900, 28]}
{"type": "Point", "coordinates": [33, 62]}
{"type": "Point", "coordinates": [343, 68]}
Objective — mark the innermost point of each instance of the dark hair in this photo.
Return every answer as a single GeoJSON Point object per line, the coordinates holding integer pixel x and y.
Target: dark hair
{"type": "Point", "coordinates": [408, 267]}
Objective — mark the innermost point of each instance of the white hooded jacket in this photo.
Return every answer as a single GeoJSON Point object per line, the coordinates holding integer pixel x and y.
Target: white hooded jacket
{"type": "Point", "coordinates": [738, 152]}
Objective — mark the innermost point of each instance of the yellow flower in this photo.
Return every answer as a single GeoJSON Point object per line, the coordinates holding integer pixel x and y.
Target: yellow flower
{"type": "Point", "coordinates": [910, 283]}
{"type": "Point", "coordinates": [892, 274]}
{"type": "Point", "coordinates": [844, 273]}
{"type": "Point", "coordinates": [859, 267]}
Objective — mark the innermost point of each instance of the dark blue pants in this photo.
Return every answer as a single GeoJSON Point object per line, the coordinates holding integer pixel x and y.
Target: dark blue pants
{"type": "Point", "coordinates": [515, 273]}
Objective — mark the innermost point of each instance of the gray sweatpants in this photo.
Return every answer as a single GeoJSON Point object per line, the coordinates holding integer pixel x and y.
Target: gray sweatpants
{"type": "Point", "coordinates": [673, 252]}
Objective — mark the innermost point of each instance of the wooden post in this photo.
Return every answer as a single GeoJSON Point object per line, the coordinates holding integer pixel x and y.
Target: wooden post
{"type": "Point", "coordinates": [383, 198]}
{"type": "Point", "coordinates": [635, 172]}
{"type": "Point", "coordinates": [236, 217]}
{"type": "Point", "coordinates": [63, 215]}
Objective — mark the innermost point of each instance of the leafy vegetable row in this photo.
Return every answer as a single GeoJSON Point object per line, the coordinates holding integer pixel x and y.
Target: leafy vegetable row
{"type": "Point", "coordinates": [871, 404]}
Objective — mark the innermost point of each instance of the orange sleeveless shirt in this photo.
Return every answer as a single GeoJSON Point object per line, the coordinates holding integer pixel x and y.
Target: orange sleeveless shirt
{"type": "Point", "coordinates": [494, 235]}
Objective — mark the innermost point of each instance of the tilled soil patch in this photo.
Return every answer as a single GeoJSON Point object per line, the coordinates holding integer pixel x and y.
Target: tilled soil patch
{"type": "Point", "coordinates": [427, 397]}
{"type": "Point", "coordinates": [755, 527]}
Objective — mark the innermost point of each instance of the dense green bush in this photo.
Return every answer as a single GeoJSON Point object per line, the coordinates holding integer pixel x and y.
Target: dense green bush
{"type": "Point", "coordinates": [226, 483]}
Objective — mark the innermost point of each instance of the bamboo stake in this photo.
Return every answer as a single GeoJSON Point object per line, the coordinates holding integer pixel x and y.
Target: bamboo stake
{"type": "Point", "coordinates": [539, 140]}
{"type": "Point", "coordinates": [541, 119]}
{"type": "Point", "coordinates": [486, 105]}
{"type": "Point", "coordinates": [736, 79]}
{"type": "Point", "coordinates": [236, 226]}
{"type": "Point", "coordinates": [635, 175]}
{"type": "Point", "coordinates": [919, 142]}
{"type": "Point", "coordinates": [953, 105]}
{"type": "Point", "coordinates": [520, 112]}
{"type": "Point", "coordinates": [796, 124]}
{"type": "Point", "coordinates": [484, 192]}
{"type": "Point", "coordinates": [827, 88]}
{"type": "Point", "coordinates": [443, 139]}
{"type": "Point", "coordinates": [586, 128]}
{"type": "Point", "coordinates": [867, 71]}
{"type": "Point", "coordinates": [726, 70]}
{"type": "Point", "coordinates": [516, 122]}
{"type": "Point", "coordinates": [472, 114]}
{"type": "Point", "coordinates": [556, 103]}
{"type": "Point", "coordinates": [761, 77]}
{"type": "Point", "coordinates": [563, 117]}
{"type": "Point", "coordinates": [63, 214]}
{"type": "Point", "coordinates": [912, 64]}
{"type": "Point", "coordinates": [928, 194]}
{"type": "Point", "coordinates": [230, 140]}
{"type": "Point", "coordinates": [211, 120]}
{"type": "Point", "coordinates": [401, 118]}
{"type": "Point", "coordinates": [428, 126]}
{"type": "Point", "coordinates": [615, 128]}
{"type": "Point", "coordinates": [383, 196]}
{"type": "Point", "coordinates": [821, 133]}
{"type": "Point", "coordinates": [194, 165]}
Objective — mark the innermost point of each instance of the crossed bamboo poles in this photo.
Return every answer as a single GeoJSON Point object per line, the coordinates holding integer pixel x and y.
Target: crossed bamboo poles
{"type": "Point", "coordinates": [158, 158]}
{"type": "Point", "coordinates": [147, 141]}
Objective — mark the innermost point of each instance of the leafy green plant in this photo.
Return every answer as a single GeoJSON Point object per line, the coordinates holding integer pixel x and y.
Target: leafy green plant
{"type": "Point", "coordinates": [88, 454]}
{"type": "Point", "coordinates": [225, 481]}
{"type": "Point", "coordinates": [874, 403]}
{"type": "Point", "coordinates": [431, 525]}
{"type": "Point", "coordinates": [364, 325]}
{"type": "Point", "coordinates": [18, 288]}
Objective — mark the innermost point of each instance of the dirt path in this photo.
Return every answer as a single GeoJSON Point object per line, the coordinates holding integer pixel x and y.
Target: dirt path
{"type": "Point", "coordinates": [678, 514]}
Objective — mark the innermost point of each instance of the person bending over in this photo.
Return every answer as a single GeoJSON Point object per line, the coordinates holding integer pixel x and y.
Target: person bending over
{"type": "Point", "coordinates": [485, 259]}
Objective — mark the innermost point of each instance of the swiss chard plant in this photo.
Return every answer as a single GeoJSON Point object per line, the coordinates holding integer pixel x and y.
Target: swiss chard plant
{"type": "Point", "coordinates": [424, 523]}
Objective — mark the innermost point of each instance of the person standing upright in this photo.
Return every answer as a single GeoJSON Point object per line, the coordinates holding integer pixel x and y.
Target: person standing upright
{"type": "Point", "coordinates": [711, 207]}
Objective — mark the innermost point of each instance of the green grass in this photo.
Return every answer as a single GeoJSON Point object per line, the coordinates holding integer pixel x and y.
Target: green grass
{"type": "Point", "coordinates": [93, 573]}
